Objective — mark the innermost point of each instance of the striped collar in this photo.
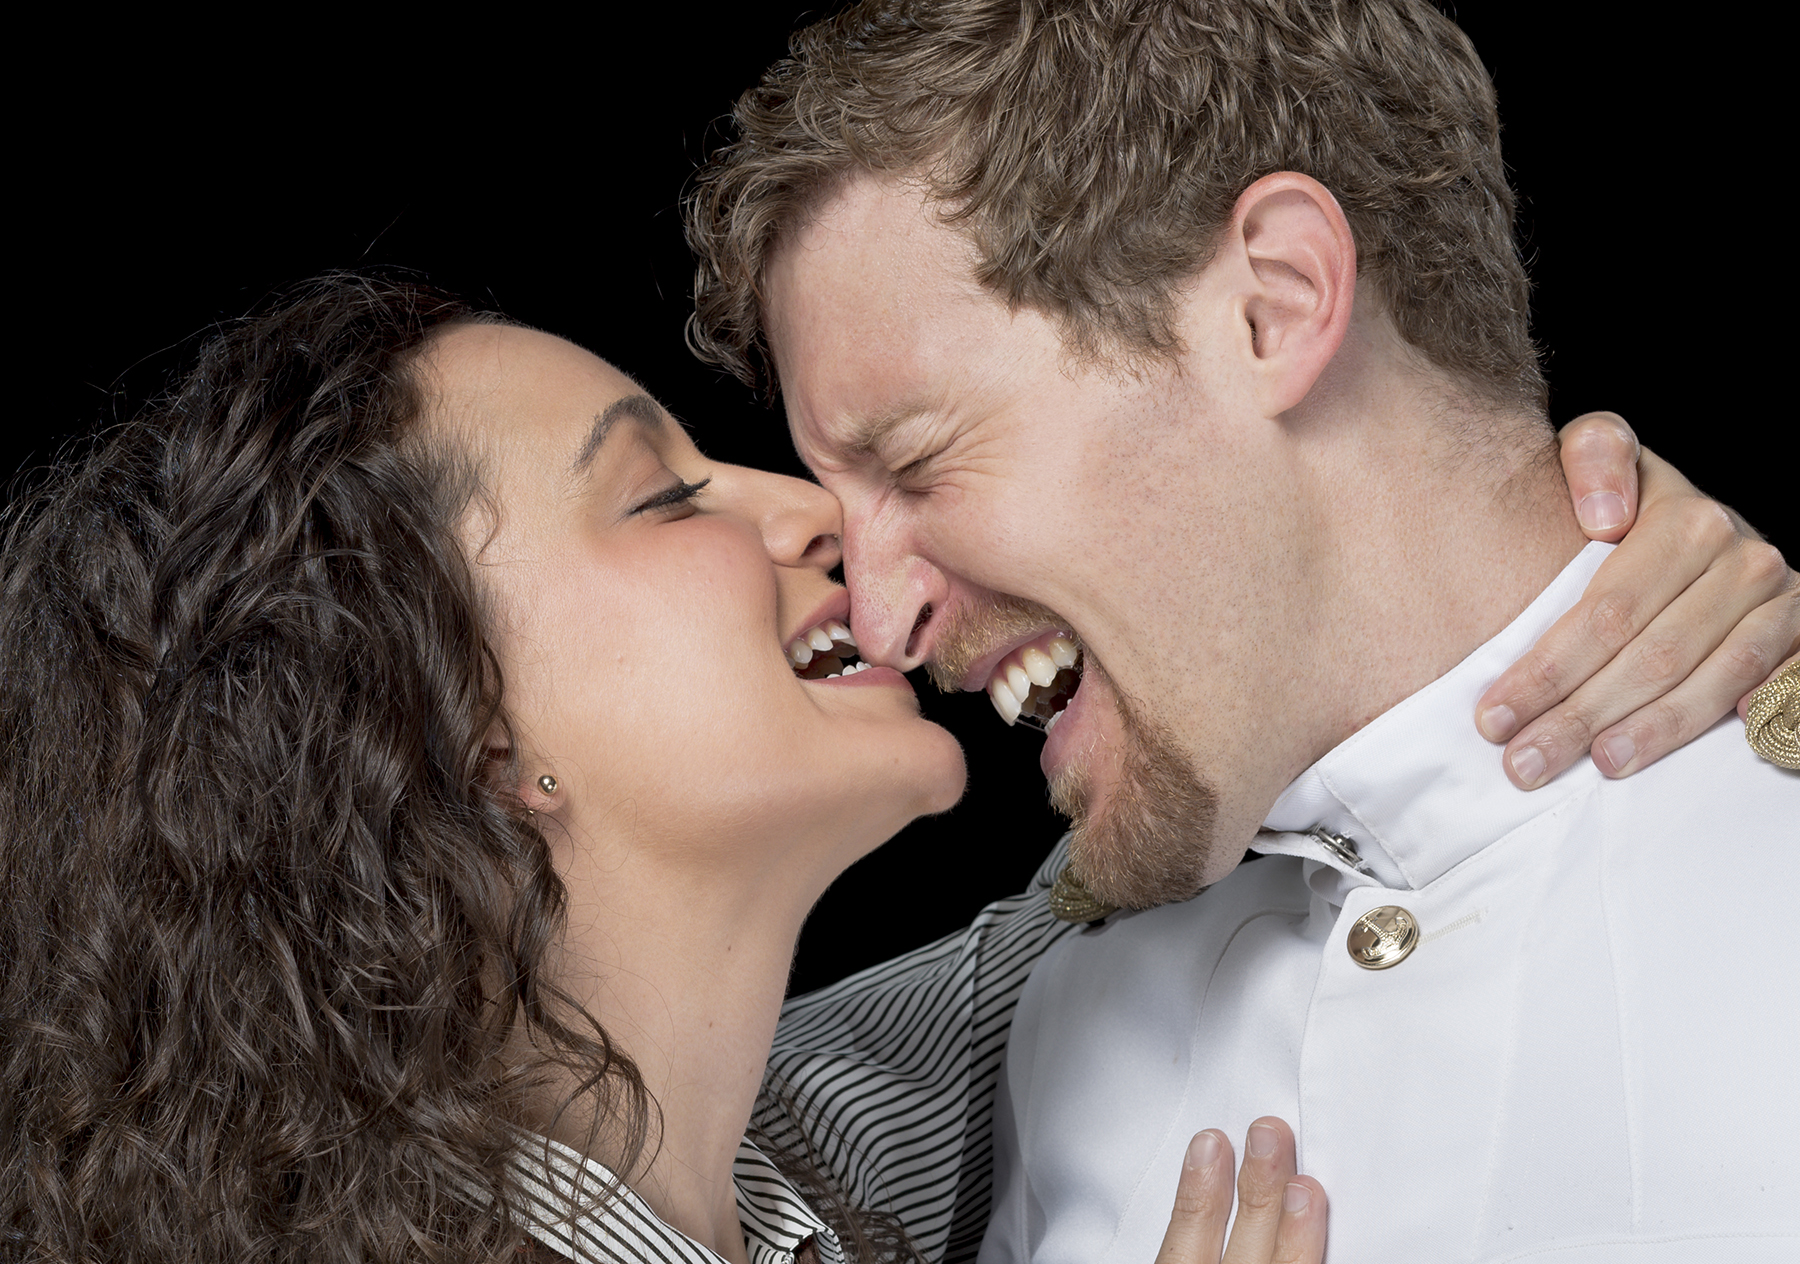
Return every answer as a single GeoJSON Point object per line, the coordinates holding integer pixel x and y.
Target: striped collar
{"type": "Point", "coordinates": [622, 1227]}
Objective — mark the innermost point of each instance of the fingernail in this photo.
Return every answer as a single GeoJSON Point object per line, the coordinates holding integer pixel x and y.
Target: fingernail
{"type": "Point", "coordinates": [1497, 723]}
{"type": "Point", "coordinates": [1203, 1150]}
{"type": "Point", "coordinates": [1295, 1197]}
{"type": "Point", "coordinates": [1601, 511]}
{"type": "Point", "coordinates": [1528, 764]}
{"type": "Point", "coordinates": [1262, 1142]}
{"type": "Point", "coordinates": [1620, 750]}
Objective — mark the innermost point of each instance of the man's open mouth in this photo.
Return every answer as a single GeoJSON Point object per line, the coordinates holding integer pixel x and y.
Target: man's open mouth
{"type": "Point", "coordinates": [1035, 682]}
{"type": "Point", "coordinates": [825, 651]}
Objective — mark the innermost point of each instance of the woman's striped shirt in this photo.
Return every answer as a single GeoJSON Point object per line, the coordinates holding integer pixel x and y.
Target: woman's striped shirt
{"type": "Point", "coordinates": [886, 1080]}
{"type": "Point", "coordinates": [580, 1210]}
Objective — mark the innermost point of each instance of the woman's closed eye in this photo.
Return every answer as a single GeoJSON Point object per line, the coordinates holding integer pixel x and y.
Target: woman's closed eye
{"type": "Point", "coordinates": [680, 496]}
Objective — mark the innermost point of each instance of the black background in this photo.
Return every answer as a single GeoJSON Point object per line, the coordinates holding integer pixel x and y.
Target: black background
{"type": "Point", "coordinates": [536, 166]}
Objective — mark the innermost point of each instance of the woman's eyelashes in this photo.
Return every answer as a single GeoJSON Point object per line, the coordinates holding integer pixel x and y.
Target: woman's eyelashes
{"type": "Point", "coordinates": [681, 495]}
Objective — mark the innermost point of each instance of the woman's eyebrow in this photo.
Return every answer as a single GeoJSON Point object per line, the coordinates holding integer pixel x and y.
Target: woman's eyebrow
{"type": "Point", "coordinates": [639, 408]}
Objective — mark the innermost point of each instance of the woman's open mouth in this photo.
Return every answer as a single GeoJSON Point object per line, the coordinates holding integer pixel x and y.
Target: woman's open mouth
{"type": "Point", "coordinates": [825, 651]}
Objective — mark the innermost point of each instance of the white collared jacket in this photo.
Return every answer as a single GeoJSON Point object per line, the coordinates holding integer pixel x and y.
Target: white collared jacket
{"type": "Point", "coordinates": [1588, 1051]}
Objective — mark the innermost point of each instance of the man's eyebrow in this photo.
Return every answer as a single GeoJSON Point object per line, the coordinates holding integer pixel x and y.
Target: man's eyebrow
{"type": "Point", "coordinates": [863, 436]}
{"type": "Point", "coordinates": [639, 408]}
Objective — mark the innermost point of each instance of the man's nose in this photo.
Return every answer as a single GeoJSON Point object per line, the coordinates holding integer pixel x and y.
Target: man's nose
{"type": "Point", "coordinates": [892, 593]}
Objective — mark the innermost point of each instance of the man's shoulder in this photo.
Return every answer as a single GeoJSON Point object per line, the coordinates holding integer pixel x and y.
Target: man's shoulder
{"type": "Point", "coordinates": [1129, 964]}
{"type": "Point", "coordinates": [1714, 786]}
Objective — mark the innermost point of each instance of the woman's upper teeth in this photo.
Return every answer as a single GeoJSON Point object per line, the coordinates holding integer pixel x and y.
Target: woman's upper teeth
{"type": "Point", "coordinates": [1033, 666]}
{"type": "Point", "coordinates": [820, 639]}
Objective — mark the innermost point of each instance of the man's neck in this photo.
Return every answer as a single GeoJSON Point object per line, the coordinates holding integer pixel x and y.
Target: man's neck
{"type": "Point", "coordinates": [1443, 544]}
{"type": "Point", "coordinates": [1429, 526]}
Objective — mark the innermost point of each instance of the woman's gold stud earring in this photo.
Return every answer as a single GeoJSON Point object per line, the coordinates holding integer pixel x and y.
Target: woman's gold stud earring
{"type": "Point", "coordinates": [547, 784]}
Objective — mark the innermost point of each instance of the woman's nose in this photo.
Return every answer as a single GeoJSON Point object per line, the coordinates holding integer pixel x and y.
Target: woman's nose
{"type": "Point", "coordinates": [801, 522]}
{"type": "Point", "coordinates": [893, 593]}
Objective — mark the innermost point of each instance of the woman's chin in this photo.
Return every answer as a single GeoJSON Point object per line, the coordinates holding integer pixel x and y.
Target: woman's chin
{"type": "Point", "coordinates": [938, 778]}
{"type": "Point", "coordinates": [946, 789]}
{"type": "Point", "coordinates": [942, 790]}
{"type": "Point", "coordinates": [938, 772]}
{"type": "Point", "coordinates": [919, 768]}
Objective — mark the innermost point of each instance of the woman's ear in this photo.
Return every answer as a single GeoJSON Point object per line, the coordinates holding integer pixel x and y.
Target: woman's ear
{"type": "Point", "coordinates": [536, 787]}
{"type": "Point", "coordinates": [540, 793]}
{"type": "Point", "coordinates": [1299, 284]}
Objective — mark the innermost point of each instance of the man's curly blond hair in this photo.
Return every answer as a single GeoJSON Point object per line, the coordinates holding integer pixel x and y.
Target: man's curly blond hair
{"type": "Point", "coordinates": [1093, 151]}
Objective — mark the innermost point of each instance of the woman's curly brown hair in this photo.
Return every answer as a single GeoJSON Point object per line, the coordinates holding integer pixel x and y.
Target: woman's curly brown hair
{"type": "Point", "coordinates": [268, 918]}
{"type": "Point", "coordinates": [274, 930]}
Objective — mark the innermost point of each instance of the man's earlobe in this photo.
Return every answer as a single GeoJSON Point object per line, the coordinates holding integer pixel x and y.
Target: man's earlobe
{"type": "Point", "coordinates": [1300, 282]}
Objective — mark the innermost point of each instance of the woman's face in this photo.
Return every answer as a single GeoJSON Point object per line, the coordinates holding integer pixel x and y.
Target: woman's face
{"type": "Point", "coordinates": [645, 628]}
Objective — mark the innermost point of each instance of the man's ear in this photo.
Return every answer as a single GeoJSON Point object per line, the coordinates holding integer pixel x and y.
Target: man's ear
{"type": "Point", "coordinates": [1300, 283]}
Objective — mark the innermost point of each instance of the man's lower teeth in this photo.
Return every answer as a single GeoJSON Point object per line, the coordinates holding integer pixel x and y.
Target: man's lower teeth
{"type": "Point", "coordinates": [1040, 723]}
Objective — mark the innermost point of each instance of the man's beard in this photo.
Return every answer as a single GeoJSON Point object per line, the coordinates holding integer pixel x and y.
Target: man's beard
{"type": "Point", "coordinates": [1153, 843]}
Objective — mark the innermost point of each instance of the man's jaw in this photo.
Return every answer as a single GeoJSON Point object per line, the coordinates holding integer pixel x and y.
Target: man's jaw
{"type": "Point", "coordinates": [1143, 818]}
{"type": "Point", "coordinates": [1144, 821]}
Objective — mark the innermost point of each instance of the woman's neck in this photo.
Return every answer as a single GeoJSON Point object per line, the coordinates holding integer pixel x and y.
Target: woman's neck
{"type": "Point", "coordinates": [686, 971]}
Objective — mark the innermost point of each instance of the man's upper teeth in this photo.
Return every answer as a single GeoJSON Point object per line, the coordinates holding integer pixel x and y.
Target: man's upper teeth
{"type": "Point", "coordinates": [1037, 665]}
{"type": "Point", "coordinates": [1003, 699]}
{"type": "Point", "coordinates": [821, 639]}
{"type": "Point", "coordinates": [1018, 681]}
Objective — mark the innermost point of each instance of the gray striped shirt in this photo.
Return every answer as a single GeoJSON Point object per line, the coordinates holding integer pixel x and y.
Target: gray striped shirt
{"type": "Point", "coordinates": [886, 1081]}
{"type": "Point", "coordinates": [579, 1209]}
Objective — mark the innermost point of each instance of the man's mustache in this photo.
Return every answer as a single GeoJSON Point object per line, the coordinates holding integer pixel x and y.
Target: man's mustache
{"type": "Point", "coordinates": [972, 629]}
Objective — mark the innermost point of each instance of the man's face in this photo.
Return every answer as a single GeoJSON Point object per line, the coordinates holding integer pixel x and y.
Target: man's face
{"type": "Point", "coordinates": [999, 495]}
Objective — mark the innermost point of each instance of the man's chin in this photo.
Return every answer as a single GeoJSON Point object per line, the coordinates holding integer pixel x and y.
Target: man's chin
{"type": "Point", "coordinates": [1150, 839]}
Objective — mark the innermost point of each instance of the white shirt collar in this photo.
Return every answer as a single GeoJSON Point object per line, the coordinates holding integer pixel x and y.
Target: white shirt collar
{"type": "Point", "coordinates": [775, 1218]}
{"type": "Point", "coordinates": [1418, 789]}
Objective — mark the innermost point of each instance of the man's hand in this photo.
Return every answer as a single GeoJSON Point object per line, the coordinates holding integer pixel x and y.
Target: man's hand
{"type": "Point", "coordinates": [1690, 613]}
{"type": "Point", "coordinates": [1281, 1216]}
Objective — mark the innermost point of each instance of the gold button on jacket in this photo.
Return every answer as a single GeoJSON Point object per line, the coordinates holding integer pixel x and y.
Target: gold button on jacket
{"type": "Point", "coordinates": [1383, 937]}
